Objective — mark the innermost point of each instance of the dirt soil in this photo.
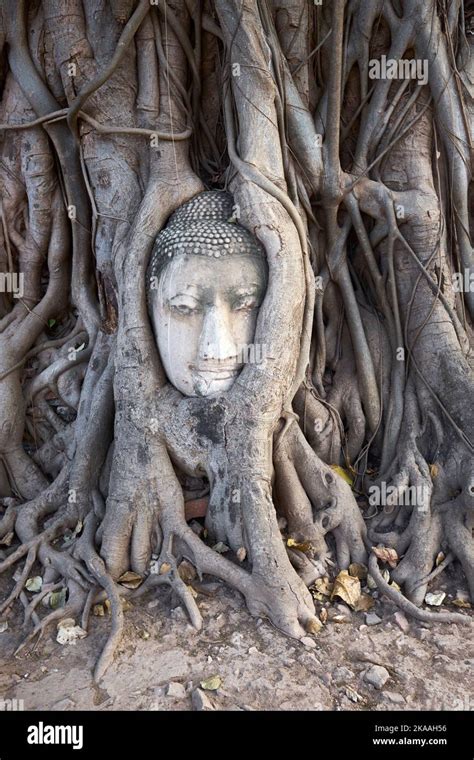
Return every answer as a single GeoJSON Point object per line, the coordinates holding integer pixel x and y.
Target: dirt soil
{"type": "Point", "coordinates": [429, 666]}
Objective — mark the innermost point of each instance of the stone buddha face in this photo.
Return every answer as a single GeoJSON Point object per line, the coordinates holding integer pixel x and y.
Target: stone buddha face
{"type": "Point", "coordinates": [204, 297]}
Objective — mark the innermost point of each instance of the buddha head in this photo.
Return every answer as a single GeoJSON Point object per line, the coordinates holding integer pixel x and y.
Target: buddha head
{"type": "Point", "coordinates": [206, 280]}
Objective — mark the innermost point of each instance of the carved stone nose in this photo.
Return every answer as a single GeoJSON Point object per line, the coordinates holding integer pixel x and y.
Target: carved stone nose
{"type": "Point", "coordinates": [216, 341]}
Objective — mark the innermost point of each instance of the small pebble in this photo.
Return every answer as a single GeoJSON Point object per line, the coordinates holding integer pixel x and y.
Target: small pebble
{"type": "Point", "coordinates": [393, 696]}
{"type": "Point", "coordinates": [64, 704]}
{"type": "Point", "coordinates": [175, 690]}
{"type": "Point", "coordinates": [401, 621]}
{"type": "Point", "coordinates": [201, 702]}
{"type": "Point", "coordinates": [372, 619]}
{"type": "Point", "coordinates": [377, 675]}
{"type": "Point", "coordinates": [326, 679]}
{"type": "Point", "coordinates": [341, 674]}
{"type": "Point", "coordinates": [422, 634]}
{"type": "Point", "coordinates": [352, 694]}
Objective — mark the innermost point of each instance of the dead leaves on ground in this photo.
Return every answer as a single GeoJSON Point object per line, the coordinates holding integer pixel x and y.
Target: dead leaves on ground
{"type": "Point", "coordinates": [130, 580]}
{"type": "Point", "coordinates": [463, 603]}
{"type": "Point", "coordinates": [314, 626]}
{"type": "Point", "coordinates": [304, 547]}
{"type": "Point", "coordinates": [347, 587]}
{"type": "Point", "coordinates": [68, 632]}
{"type": "Point", "coordinates": [358, 570]}
{"type": "Point", "coordinates": [34, 584]}
{"type": "Point", "coordinates": [386, 554]}
{"type": "Point", "coordinates": [364, 603]}
{"type": "Point", "coordinates": [57, 599]}
{"type": "Point", "coordinates": [321, 587]}
{"type": "Point", "coordinates": [212, 683]}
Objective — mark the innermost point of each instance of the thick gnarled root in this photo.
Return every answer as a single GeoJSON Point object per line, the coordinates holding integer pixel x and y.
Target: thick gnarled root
{"type": "Point", "coordinates": [315, 501]}
{"type": "Point", "coordinates": [419, 528]}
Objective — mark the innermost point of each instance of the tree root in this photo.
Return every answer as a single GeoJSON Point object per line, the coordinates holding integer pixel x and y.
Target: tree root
{"type": "Point", "coordinates": [408, 607]}
{"type": "Point", "coordinates": [315, 500]}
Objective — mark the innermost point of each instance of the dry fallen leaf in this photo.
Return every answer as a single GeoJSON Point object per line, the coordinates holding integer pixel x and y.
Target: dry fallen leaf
{"type": "Point", "coordinates": [220, 547]}
{"type": "Point", "coordinates": [323, 615]}
{"type": "Point", "coordinates": [314, 626]}
{"type": "Point", "coordinates": [98, 610]}
{"type": "Point", "coordinates": [462, 603]}
{"type": "Point", "coordinates": [371, 582]}
{"type": "Point", "coordinates": [386, 554]}
{"type": "Point", "coordinates": [347, 588]}
{"type": "Point", "coordinates": [66, 623]}
{"type": "Point", "coordinates": [130, 579]}
{"type": "Point", "coordinates": [187, 571]}
{"type": "Point", "coordinates": [304, 546]}
{"type": "Point", "coordinates": [323, 586]}
{"type": "Point", "coordinates": [212, 683]}
{"type": "Point", "coordinates": [358, 571]}
{"type": "Point", "coordinates": [68, 634]}
{"type": "Point", "coordinates": [439, 558]}
{"type": "Point", "coordinates": [364, 603]}
{"type": "Point", "coordinates": [57, 598]}
{"type": "Point", "coordinates": [34, 584]}
{"type": "Point", "coordinates": [344, 474]}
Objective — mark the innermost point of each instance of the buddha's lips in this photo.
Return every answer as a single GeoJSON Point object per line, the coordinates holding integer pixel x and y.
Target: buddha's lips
{"type": "Point", "coordinates": [216, 370]}
{"type": "Point", "coordinates": [212, 377]}
{"type": "Point", "coordinates": [216, 380]}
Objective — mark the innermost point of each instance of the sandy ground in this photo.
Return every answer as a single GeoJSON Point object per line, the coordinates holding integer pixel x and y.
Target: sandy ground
{"type": "Point", "coordinates": [429, 667]}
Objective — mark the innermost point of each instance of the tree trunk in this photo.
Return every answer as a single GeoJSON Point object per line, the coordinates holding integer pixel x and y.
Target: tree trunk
{"type": "Point", "coordinates": [343, 131]}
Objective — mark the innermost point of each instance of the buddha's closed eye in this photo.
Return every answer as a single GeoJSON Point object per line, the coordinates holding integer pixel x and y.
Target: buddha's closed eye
{"type": "Point", "coordinates": [184, 305]}
{"type": "Point", "coordinates": [245, 303]}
